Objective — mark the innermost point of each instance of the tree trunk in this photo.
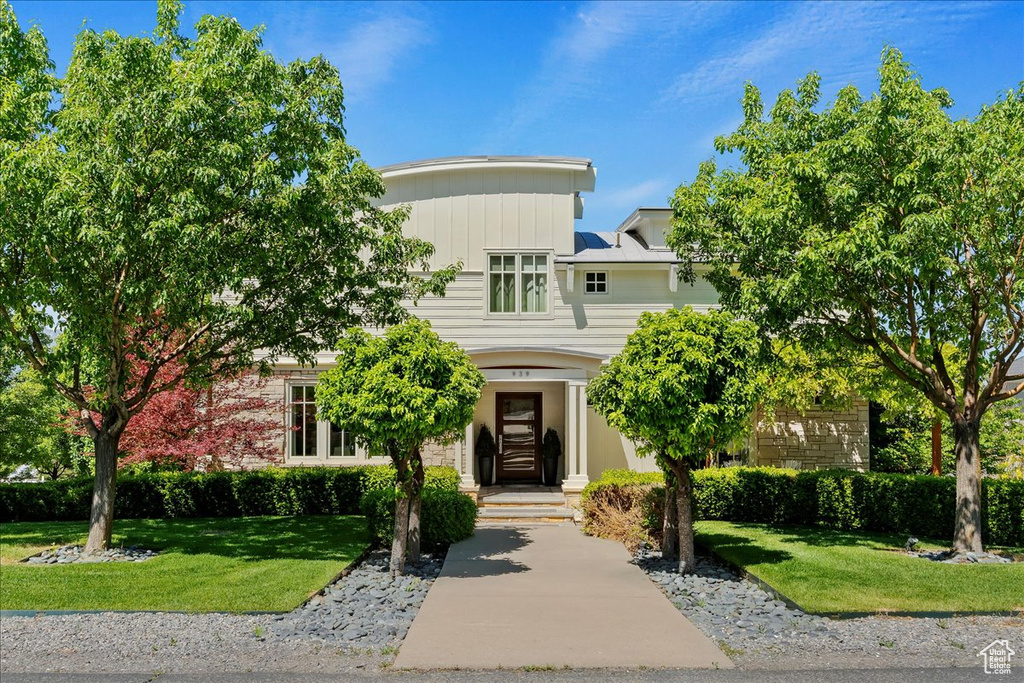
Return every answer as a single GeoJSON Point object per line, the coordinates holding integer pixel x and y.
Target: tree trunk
{"type": "Point", "coordinates": [967, 529]}
{"type": "Point", "coordinates": [415, 506]}
{"type": "Point", "coordinates": [684, 490]}
{"type": "Point", "coordinates": [401, 530]}
{"type": "Point", "coordinates": [670, 525]}
{"type": "Point", "coordinates": [101, 516]}
{"type": "Point", "coordinates": [398, 544]}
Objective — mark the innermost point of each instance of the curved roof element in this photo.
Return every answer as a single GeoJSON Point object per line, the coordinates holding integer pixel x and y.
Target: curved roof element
{"type": "Point", "coordinates": [576, 165]}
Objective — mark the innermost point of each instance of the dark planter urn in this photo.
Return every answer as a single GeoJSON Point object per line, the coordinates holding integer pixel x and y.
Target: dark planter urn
{"type": "Point", "coordinates": [550, 471]}
{"type": "Point", "coordinates": [551, 451]}
{"type": "Point", "coordinates": [486, 463]}
{"type": "Point", "coordinates": [485, 450]}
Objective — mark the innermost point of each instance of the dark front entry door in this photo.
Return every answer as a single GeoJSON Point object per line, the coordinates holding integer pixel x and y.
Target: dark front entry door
{"type": "Point", "coordinates": [519, 421]}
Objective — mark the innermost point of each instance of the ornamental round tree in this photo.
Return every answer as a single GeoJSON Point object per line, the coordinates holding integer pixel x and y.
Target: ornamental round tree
{"type": "Point", "coordinates": [188, 201]}
{"type": "Point", "coordinates": [684, 384]}
{"type": "Point", "coordinates": [878, 225]}
{"type": "Point", "coordinates": [394, 393]}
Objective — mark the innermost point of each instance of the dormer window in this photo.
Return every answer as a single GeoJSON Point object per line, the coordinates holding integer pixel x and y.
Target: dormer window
{"type": "Point", "coordinates": [595, 282]}
{"type": "Point", "coordinates": [517, 283]}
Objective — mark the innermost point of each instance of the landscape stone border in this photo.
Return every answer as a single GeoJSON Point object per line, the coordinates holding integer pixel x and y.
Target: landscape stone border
{"type": "Point", "coordinates": [75, 554]}
{"type": "Point", "coordinates": [365, 608]}
{"type": "Point", "coordinates": [749, 621]}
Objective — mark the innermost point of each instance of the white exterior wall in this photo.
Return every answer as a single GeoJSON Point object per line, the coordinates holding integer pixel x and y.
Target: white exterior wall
{"type": "Point", "coordinates": [595, 323]}
{"type": "Point", "coordinates": [469, 207]}
{"type": "Point", "coordinates": [465, 211]}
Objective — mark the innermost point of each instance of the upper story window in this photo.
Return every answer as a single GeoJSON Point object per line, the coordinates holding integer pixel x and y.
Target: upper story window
{"type": "Point", "coordinates": [595, 282]}
{"type": "Point", "coordinates": [312, 439]}
{"type": "Point", "coordinates": [517, 283]}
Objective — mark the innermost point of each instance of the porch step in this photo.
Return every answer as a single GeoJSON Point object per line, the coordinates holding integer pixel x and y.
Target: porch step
{"type": "Point", "coordinates": [524, 514]}
{"type": "Point", "coordinates": [505, 499]}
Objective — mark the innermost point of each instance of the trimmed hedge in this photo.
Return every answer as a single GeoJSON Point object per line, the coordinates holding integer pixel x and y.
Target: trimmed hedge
{"type": "Point", "coordinates": [446, 516]}
{"type": "Point", "coordinates": [922, 505]}
{"type": "Point", "coordinates": [270, 491]}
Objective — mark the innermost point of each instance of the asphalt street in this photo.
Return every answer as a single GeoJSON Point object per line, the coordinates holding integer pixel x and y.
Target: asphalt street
{"type": "Point", "coordinates": [958, 675]}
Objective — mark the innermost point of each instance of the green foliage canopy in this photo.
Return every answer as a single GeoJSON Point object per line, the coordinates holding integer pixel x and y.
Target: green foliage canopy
{"type": "Point", "coordinates": [399, 390]}
{"type": "Point", "coordinates": [175, 199]}
{"type": "Point", "coordinates": [683, 383]}
{"type": "Point", "coordinates": [877, 224]}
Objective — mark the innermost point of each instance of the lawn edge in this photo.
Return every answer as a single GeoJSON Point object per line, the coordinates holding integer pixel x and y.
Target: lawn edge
{"type": "Point", "coordinates": [793, 604]}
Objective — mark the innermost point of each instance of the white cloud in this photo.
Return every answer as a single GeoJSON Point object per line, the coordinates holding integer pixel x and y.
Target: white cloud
{"type": "Point", "coordinates": [597, 32]}
{"type": "Point", "coordinates": [367, 52]}
{"type": "Point", "coordinates": [835, 34]}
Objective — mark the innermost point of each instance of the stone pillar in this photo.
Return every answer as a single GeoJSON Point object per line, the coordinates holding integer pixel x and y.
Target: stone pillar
{"type": "Point", "coordinates": [468, 468]}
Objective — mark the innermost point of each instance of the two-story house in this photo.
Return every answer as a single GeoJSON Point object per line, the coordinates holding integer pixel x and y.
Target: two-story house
{"type": "Point", "coordinates": [539, 306]}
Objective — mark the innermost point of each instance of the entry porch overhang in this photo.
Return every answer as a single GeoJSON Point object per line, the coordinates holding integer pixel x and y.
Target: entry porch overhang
{"type": "Point", "coordinates": [513, 369]}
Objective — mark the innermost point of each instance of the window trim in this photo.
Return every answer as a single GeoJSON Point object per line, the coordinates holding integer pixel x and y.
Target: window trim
{"type": "Point", "coordinates": [518, 254]}
{"type": "Point", "coordinates": [607, 282]}
{"type": "Point", "coordinates": [323, 436]}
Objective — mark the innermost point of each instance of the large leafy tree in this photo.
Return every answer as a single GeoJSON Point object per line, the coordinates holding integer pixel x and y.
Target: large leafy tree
{"type": "Point", "coordinates": [395, 393]}
{"type": "Point", "coordinates": [684, 384]}
{"type": "Point", "coordinates": [182, 200]}
{"type": "Point", "coordinates": [878, 224]}
{"type": "Point", "coordinates": [35, 431]}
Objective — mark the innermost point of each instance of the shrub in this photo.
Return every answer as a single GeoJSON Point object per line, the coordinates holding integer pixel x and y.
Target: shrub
{"type": "Point", "coordinates": [921, 505]}
{"type": "Point", "coordinates": [447, 516]}
{"type": "Point", "coordinates": [613, 506]}
{"type": "Point", "coordinates": [269, 491]}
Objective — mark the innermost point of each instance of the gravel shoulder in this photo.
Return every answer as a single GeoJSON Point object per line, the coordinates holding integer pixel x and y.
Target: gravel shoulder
{"type": "Point", "coordinates": [354, 625]}
{"type": "Point", "coordinates": [757, 631]}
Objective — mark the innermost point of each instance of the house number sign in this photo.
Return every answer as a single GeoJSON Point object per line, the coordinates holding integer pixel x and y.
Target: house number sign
{"type": "Point", "coordinates": [520, 373]}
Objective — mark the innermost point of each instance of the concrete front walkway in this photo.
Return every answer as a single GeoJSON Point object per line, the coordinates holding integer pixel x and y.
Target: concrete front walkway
{"type": "Point", "coordinates": [549, 596]}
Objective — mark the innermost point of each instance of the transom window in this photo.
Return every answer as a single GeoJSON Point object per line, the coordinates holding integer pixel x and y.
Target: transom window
{"type": "Point", "coordinates": [312, 439]}
{"type": "Point", "coordinates": [595, 282]}
{"type": "Point", "coordinates": [517, 283]}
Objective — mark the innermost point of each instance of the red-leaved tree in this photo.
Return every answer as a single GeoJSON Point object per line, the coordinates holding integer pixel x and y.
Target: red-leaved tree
{"type": "Point", "coordinates": [229, 425]}
{"type": "Point", "coordinates": [224, 423]}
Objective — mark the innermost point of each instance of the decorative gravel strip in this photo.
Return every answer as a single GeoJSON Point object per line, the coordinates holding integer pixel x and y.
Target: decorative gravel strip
{"type": "Point", "coordinates": [134, 642]}
{"type": "Point", "coordinates": [953, 557]}
{"type": "Point", "coordinates": [749, 623]}
{"type": "Point", "coordinates": [365, 609]}
{"type": "Point", "coordinates": [70, 554]}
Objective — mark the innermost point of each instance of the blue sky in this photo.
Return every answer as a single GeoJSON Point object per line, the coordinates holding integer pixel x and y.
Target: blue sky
{"type": "Point", "coordinates": [640, 88]}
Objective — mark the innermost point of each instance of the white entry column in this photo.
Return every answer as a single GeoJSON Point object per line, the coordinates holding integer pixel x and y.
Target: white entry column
{"type": "Point", "coordinates": [468, 467]}
{"type": "Point", "coordinates": [575, 437]}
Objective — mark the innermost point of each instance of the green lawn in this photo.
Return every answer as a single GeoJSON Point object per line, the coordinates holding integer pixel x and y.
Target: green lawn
{"type": "Point", "coordinates": [833, 571]}
{"type": "Point", "coordinates": [225, 564]}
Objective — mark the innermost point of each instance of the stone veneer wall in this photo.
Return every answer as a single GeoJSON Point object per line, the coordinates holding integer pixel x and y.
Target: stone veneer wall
{"type": "Point", "coordinates": [816, 439]}
{"type": "Point", "coordinates": [274, 390]}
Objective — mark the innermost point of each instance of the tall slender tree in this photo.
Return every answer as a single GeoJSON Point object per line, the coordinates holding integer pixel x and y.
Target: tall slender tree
{"type": "Point", "coordinates": [182, 200]}
{"type": "Point", "coordinates": [878, 224]}
{"type": "Point", "coordinates": [684, 384]}
{"type": "Point", "coordinates": [395, 393]}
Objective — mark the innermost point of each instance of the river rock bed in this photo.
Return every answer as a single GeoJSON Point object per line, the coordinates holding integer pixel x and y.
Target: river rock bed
{"type": "Point", "coordinates": [71, 554]}
{"type": "Point", "coordinates": [953, 557]}
{"type": "Point", "coordinates": [760, 631]}
{"type": "Point", "coordinates": [366, 609]}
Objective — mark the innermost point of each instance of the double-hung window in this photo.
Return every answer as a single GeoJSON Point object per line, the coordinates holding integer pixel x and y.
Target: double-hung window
{"type": "Point", "coordinates": [517, 283]}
